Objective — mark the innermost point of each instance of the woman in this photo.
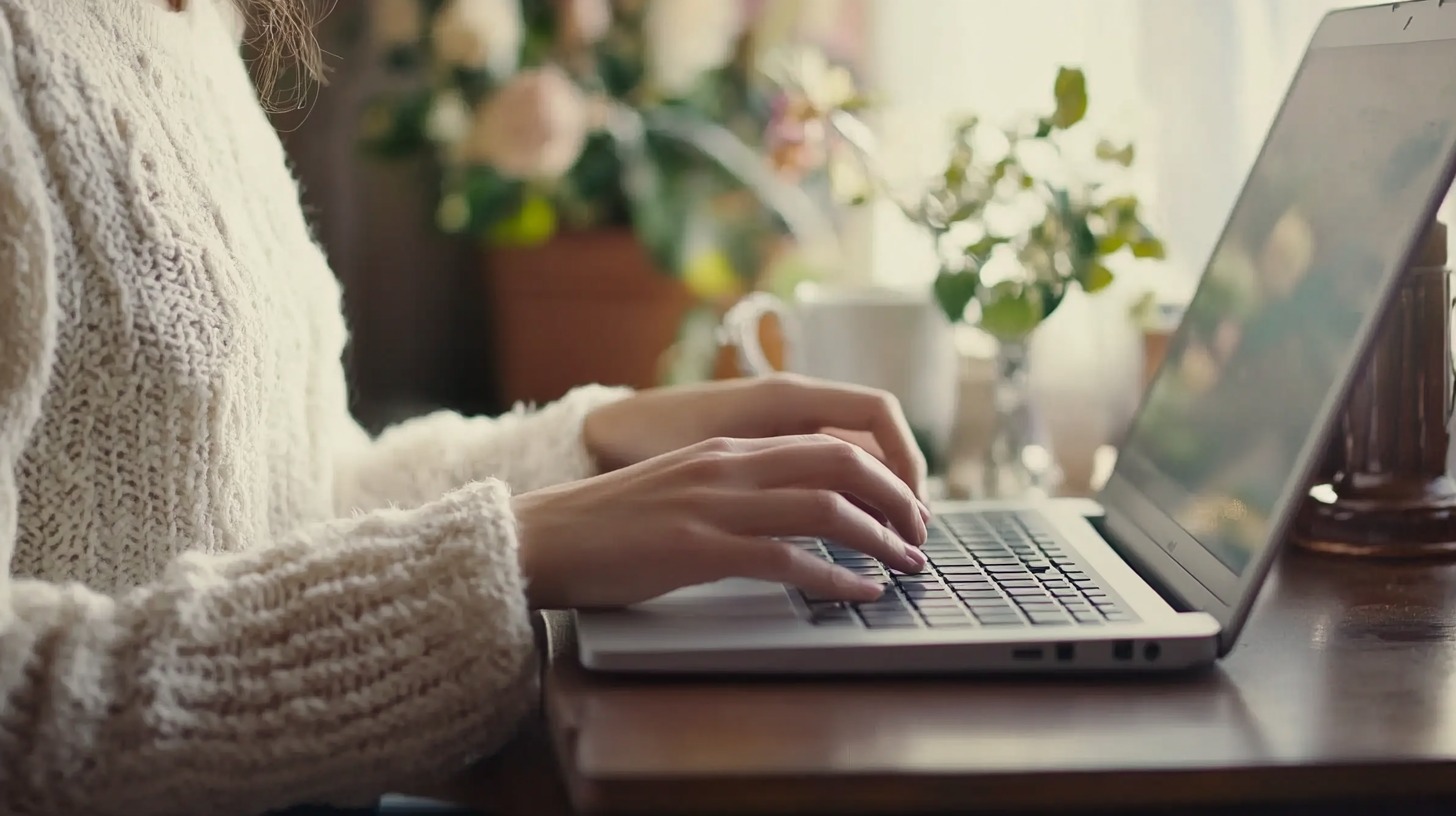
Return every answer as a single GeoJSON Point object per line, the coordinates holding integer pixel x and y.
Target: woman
{"type": "Point", "coordinates": [221, 596]}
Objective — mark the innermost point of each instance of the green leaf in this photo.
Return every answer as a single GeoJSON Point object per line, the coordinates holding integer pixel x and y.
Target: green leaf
{"type": "Point", "coordinates": [1097, 279]}
{"type": "Point", "coordinates": [393, 127]}
{"type": "Point", "coordinates": [1001, 170]}
{"type": "Point", "coordinates": [982, 249]}
{"type": "Point", "coordinates": [1011, 312]}
{"type": "Point", "coordinates": [954, 291]}
{"type": "Point", "coordinates": [1107, 151]}
{"type": "Point", "coordinates": [404, 59]}
{"type": "Point", "coordinates": [965, 212]}
{"type": "Point", "coordinates": [1071, 94]}
{"type": "Point", "coordinates": [1149, 247]}
{"type": "Point", "coordinates": [1111, 243]}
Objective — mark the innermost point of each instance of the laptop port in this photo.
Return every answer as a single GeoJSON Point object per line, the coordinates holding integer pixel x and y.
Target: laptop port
{"type": "Point", "coordinates": [1122, 650]}
{"type": "Point", "coordinates": [1152, 651]}
{"type": "Point", "coordinates": [1026, 654]}
{"type": "Point", "coordinates": [1066, 652]}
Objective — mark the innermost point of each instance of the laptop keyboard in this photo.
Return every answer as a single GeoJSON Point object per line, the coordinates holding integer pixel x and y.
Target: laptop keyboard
{"type": "Point", "coordinates": [984, 569]}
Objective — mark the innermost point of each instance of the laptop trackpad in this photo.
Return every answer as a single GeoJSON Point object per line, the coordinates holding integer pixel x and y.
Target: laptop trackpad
{"type": "Point", "coordinates": [729, 598]}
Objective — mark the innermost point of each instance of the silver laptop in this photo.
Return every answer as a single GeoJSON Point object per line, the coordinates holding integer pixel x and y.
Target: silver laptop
{"type": "Point", "coordinates": [1160, 572]}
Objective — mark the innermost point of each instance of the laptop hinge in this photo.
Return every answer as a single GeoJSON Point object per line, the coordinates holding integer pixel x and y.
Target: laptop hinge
{"type": "Point", "coordinates": [1179, 604]}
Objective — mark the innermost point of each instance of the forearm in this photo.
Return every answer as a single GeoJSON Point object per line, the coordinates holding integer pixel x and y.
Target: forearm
{"type": "Point", "coordinates": [350, 658]}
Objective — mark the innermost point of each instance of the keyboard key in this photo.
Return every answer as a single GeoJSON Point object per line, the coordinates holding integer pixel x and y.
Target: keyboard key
{"type": "Point", "coordinates": [1086, 617]}
{"type": "Point", "coordinates": [918, 592]}
{"type": "Point", "coordinates": [936, 604]}
{"type": "Point", "coordinates": [1028, 592]}
{"type": "Point", "coordinates": [989, 594]}
{"type": "Point", "coordinates": [908, 623]}
{"type": "Point", "coordinates": [951, 560]}
{"type": "Point", "coordinates": [1048, 618]}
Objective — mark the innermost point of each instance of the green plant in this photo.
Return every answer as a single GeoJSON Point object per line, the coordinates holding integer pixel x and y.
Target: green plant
{"type": "Point", "coordinates": [1074, 219]}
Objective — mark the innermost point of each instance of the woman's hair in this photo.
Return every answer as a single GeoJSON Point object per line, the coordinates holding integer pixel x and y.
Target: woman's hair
{"type": "Point", "coordinates": [286, 58]}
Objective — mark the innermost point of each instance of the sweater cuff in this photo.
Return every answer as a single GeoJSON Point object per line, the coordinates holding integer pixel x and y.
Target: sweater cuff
{"type": "Point", "coordinates": [569, 458]}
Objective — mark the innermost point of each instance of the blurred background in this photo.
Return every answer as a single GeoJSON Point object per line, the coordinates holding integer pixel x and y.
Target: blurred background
{"type": "Point", "coordinates": [524, 195]}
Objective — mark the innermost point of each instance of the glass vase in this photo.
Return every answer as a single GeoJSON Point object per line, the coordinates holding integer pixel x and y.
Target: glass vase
{"type": "Point", "coordinates": [1012, 467]}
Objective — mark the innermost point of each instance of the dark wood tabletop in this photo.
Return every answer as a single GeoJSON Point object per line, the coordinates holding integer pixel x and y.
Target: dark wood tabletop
{"type": "Point", "coordinates": [1340, 695]}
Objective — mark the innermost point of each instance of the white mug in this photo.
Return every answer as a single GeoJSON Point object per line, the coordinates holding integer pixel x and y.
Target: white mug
{"type": "Point", "coordinates": [879, 338]}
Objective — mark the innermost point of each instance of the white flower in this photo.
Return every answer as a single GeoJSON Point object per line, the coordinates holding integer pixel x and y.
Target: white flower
{"type": "Point", "coordinates": [449, 119]}
{"type": "Point", "coordinates": [686, 38]}
{"type": "Point", "coordinates": [532, 128]}
{"type": "Point", "coordinates": [396, 22]}
{"type": "Point", "coordinates": [480, 34]}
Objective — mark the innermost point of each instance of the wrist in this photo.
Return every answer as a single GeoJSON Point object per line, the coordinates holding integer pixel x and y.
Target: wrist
{"type": "Point", "coordinates": [600, 435]}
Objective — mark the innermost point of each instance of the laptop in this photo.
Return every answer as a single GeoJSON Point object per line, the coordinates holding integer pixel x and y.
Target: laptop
{"type": "Point", "coordinates": [1160, 571]}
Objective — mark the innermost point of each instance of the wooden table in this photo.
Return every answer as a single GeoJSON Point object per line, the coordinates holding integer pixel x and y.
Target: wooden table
{"type": "Point", "coordinates": [1342, 689]}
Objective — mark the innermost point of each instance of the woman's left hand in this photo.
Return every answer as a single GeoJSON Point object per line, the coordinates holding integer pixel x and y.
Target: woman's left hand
{"type": "Point", "coordinates": [662, 420]}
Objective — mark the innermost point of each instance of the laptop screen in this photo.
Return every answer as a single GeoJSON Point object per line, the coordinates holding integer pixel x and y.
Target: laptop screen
{"type": "Point", "coordinates": [1347, 173]}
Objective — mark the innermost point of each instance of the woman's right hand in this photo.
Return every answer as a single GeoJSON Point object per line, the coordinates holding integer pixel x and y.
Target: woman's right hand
{"type": "Point", "coordinates": [716, 510]}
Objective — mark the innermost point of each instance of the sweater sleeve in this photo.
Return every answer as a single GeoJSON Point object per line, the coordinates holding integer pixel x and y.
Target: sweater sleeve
{"type": "Point", "coordinates": [424, 457]}
{"type": "Point", "coordinates": [329, 666]}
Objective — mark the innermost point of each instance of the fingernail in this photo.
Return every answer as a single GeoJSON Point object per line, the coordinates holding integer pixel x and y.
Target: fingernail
{"type": "Point", "coordinates": [924, 513]}
{"type": "Point", "coordinates": [873, 589]}
{"type": "Point", "coordinates": [914, 556]}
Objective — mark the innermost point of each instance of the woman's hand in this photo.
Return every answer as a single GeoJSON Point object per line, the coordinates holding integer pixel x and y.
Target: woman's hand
{"type": "Point", "coordinates": [714, 510]}
{"type": "Point", "coordinates": [657, 421]}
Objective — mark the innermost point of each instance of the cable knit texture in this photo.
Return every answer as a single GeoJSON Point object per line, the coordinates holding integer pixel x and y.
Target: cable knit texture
{"type": "Point", "coordinates": [222, 596]}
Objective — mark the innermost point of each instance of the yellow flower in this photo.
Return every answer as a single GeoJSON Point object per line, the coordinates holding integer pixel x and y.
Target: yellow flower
{"type": "Point", "coordinates": [710, 276]}
{"type": "Point", "coordinates": [532, 225]}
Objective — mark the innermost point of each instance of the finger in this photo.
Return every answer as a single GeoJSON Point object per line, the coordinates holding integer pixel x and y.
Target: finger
{"type": "Point", "coordinates": [767, 559]}
{"type": "Point", "coordinates": [814, 513]}
{"type": "Point", "coordinates": [826, 463]}
{"type": "Point", "coordinates": [862, 439]}
{"type": "Point", "coordinates": [852, 408]}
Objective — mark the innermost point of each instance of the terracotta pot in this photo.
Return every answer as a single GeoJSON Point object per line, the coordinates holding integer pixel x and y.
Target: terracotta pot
{"type": "Point", "coordinates": [586, 307]}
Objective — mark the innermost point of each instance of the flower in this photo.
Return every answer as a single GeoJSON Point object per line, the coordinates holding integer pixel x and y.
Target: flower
{"type": "Point", "coordinates": [449, 119]}
{"type": "Point", "coordinates": [480, 34]}
{"type": "Point", "coordinates": [795, 145]}
{"type": "Point", "coordinates": [710, 277]}
{"type": "Point", "coordinates": [395, 22]}
{"type": "Point", "coordinates": [686, 38]}
{"type": "Point", "coordinates": [816, 87]}
{"type": "Point", "coordinates": [583, 22]}
{"type": "Point", "coordinates": [532, 128]}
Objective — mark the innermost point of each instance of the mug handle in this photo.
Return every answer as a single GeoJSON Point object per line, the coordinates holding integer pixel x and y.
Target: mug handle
{"type": "Point", "coordinates": [740, 330]}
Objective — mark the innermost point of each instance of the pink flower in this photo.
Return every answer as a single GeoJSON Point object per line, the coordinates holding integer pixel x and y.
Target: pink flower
{"type": "Point", "coordinates": [532, 128]}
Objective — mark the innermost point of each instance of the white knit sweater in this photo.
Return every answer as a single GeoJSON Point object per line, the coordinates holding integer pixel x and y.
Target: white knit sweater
{"type": "Point", "coordinates": [222, 596]}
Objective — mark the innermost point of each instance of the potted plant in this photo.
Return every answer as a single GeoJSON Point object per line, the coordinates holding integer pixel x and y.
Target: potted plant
{"type": "Point", "coordinates": [1019, 217]}
{"type": "Point", "coordinates": [614, 158]}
